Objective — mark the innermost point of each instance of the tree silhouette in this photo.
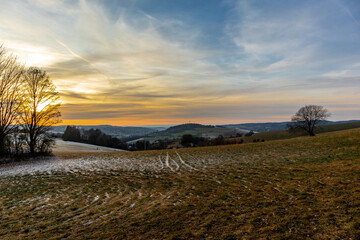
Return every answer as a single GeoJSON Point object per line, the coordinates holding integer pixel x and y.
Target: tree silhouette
{"type": "Point", "coordinates": [72, 134]}
{"type": "Point", "coordinates": [40, 109]}
{"type": "Point", "coordinates": [308, 118]}
{"type": "Point", "coordinates": [10, 96]}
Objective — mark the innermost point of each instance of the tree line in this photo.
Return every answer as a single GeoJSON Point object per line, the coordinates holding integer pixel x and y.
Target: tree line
{"type": "Point", "coordinates": [92, 136]}
{"type": "Point", "coordinates": [29, 106]}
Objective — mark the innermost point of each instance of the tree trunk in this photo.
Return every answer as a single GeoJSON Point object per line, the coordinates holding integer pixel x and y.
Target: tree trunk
{"type": "Point", "coordinates": [32, 149]}
{"type": "Point", "coordinates": [32, 146]}
{"type": "Point", "coordinates": [3, 149]}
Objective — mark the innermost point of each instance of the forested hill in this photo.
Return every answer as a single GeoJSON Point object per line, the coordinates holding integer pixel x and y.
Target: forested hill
{"type": "Point", "coordinates": [185, 127]}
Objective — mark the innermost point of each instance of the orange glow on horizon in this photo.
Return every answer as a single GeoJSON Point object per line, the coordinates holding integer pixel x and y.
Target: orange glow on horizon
{"type": "Point", "coordinates": [162, 122]}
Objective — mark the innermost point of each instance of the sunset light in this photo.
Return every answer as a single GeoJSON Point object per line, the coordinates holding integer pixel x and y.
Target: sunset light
{"type": "Point", "coordinates": [134, 63]}
{"type": "Point", "coordinates": [180, 119]}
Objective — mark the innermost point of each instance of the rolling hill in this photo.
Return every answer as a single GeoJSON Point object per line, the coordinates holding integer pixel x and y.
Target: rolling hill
{"type": "Point", "coordinates": [285, 134]}
{"type": "Point", "coordinates": [197, 130]}
{"type": "Point", "coordinates": [276, 126]}
{"type": "Point", "coordinates": [299, 188]}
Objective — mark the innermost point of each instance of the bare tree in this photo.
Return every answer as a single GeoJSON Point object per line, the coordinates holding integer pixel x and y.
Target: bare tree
{"type": "Point", "coordinates": [10, 96]}
{"type": "Point", "coordinates": [40, 109]}
{"type": "Point", "coordinates": [308, 118]}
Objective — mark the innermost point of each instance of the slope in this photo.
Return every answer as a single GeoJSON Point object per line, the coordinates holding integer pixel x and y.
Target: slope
{"type": "Point", "coordinates": [298, 188]}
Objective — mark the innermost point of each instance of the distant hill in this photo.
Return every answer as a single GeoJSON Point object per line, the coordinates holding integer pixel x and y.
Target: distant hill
{"type": "Point", "coordinates": [285, 134]}
{"type": "Point", "coordinates": [179, 130]}
{"type": "Point", "coordinates": [275, 126]}
{"type": "Point", "coordinates": [184, 127]}
{"type": "Point", "coordinates": [111, 130]}
{"type": "Point", "coordinates": [198, 130]}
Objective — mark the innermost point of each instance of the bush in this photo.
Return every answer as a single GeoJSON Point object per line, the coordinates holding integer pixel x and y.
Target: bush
{"type": "Point", "coordinates": [219, 140]}
{"type": "Point", "coordinates": [249, 134]}
{"type": "Point", "coordinates": [187, 140]}
{"type": "Point", "coordinates": [45, 144]}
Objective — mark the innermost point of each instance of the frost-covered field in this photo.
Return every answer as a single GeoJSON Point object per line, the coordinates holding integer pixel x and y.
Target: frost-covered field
{"type": "Point", "coordinates": [98, 163]}
{"type": "Point", "coordinates": [183, 160]}
{"type": "Point", "coordinates": [75, 147]}
{"type": "Point", "coordinates": [297, 189]}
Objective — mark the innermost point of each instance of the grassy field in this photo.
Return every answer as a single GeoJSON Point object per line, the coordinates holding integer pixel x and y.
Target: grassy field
{"type": "Point", "coordinates": [285, 134]}
{"type": "Point", "coordinates": [300, 188]}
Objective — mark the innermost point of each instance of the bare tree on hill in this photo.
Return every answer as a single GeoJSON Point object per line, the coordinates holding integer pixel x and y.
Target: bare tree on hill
{"type": "Point", "coordinates": [308, 118]}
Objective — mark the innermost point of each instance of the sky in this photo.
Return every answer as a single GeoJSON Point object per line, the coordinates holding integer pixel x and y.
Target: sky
{"type": "Point", "coordinates": [154, 62]}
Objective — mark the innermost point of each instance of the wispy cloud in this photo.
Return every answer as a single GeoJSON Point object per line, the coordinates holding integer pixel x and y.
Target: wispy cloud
{"type": "Point", "coordinates": [123, 64]}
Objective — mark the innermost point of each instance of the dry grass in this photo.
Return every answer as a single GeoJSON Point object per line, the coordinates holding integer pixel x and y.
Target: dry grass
{"type": "Point", "coordinates": [285, 134]}
{"type": "Point", "coordinates": [302, 188]}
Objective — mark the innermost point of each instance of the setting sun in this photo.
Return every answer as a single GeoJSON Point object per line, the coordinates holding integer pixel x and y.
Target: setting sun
{"type": "Point", "coordinates": [43, 105]}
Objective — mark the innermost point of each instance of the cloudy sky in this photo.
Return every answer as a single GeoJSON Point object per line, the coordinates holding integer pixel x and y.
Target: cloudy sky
{"type": "Point", "coordinates": [148, 62]}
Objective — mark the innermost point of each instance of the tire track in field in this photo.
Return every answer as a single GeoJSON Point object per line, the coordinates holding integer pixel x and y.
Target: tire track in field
{"type": "Point", "coordinates": [167, 162]}
{"type": "Point", "coordinates": [184, 163]}
{"type": "Point", "coordinates": [162, 164]}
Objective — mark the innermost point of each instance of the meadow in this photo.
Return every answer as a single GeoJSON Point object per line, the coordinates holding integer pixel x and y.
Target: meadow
{"type": "Point", "coordinates": [285, 134]}
{"type": "Point", "coordinates": [299, 188]}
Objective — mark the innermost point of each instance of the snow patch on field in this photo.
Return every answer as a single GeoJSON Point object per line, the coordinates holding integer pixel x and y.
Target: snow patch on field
{"type": "Point", "coordinates": [74, 147]}
{"type": "Point", "coordinates": [96, 164]}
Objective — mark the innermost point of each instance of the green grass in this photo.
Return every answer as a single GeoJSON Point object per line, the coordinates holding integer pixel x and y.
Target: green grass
{"type": "Point", "coordinates": [300, 188]}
